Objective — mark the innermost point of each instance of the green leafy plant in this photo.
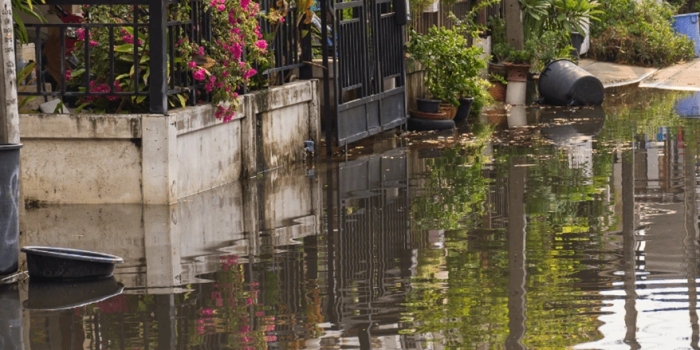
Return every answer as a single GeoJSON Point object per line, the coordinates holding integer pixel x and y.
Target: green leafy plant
{"type": "Point", "coordinates": [548, 47]}
{"type": "Point", "coordinates": [27, 7]}
{"type": "Point", "coordinates": [500, 51]}
{"type": "Point", "coordinates": [451, 67]}
{"type": "Point", "coordinates": [541, 16]}
{"type": "Point", "coordinates": [639, 34]}
{"type": "Point", "coordinates": [523, 56]}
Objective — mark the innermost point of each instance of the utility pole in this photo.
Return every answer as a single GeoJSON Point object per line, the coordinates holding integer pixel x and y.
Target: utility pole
{"type": "Point", "coordinates": [514, 24]}
{"type": "Point", "coordinates": [9, 113]}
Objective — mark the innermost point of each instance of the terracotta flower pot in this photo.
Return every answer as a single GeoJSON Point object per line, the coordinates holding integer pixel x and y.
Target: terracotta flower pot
{"type": "Point", "coordinates": [498, 91]}
{"type": "Point", "coordinates": [517, 72]}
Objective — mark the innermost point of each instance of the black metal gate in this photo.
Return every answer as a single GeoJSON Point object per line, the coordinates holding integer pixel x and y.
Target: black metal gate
{"type": "Point", "coordinates": [367, 60]}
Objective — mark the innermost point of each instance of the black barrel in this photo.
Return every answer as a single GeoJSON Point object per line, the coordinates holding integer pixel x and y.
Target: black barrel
{"type": "Point", "coordinates": [563, 83]}
{"type": "Point", "coordinates": [9, 207]}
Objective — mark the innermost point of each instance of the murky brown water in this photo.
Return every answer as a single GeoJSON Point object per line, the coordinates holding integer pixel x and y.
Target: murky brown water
{"type": "Point", "coordinates": [569, 233]}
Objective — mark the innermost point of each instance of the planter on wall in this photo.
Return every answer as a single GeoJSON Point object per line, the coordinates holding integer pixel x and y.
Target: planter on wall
{"type": "Point", "coordinates": [517, 71]}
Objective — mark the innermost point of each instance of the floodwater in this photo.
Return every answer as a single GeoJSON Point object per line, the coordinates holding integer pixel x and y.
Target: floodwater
{"type": "Point", "coordinates": [540, 229]}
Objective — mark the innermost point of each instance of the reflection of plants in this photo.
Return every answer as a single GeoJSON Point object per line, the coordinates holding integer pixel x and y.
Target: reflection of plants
{"type": "Point", "coordinates": [455, 188]}
{"type": "Point", "coordinates": [229, 309]}
{"type": "Point", "coordinates": [632, 111]}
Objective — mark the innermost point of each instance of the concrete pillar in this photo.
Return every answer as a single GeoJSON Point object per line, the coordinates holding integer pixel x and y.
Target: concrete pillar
{"type": "Point", "coordinates": [249, 133]}
{"type": "Point", "coordinates": [159, 159]}
{"type": "Point", "coordinates": [9, 113]}
{"type": "Point", "coordinates": [315, 114]}
{"type": "Point", "coordinates": [514, 24]}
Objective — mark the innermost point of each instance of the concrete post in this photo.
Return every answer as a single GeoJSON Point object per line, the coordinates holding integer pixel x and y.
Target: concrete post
{"type": "Point", "coordinates": [9, 114]}
{"type": "Point", "coordinates": [514, 24]}
{"type": "Point", "coordinates": [159, 160]}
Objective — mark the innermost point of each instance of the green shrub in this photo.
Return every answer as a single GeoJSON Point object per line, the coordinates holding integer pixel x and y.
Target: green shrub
{"type": "Point", "coordinates": [639, 34]}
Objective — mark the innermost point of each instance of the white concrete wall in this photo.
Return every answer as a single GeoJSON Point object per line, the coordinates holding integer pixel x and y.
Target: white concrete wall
{"type": "Point", "coordinates": [156, 159]}
{"type": "Point", "coordinates": [208, 151]}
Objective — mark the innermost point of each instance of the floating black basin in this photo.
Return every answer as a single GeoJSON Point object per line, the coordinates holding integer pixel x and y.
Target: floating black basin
{"type": "Point", "coordinates": [69, 264]}
{"type": "Point", "coordinates": [53, 296]}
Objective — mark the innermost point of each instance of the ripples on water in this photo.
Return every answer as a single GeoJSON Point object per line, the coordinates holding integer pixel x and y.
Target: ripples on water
{"type": "Point", "coordinates": [578, 233]}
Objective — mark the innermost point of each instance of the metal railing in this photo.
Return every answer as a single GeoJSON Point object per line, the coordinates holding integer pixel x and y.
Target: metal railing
{"type": "Point", "coordinates": [167, 74]}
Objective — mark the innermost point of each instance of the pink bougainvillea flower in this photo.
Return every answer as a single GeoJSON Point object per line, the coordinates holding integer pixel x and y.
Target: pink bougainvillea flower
{"type": "Point", "coordinates": [199, 74]}
{"type": "Point", "coordinates": [192, 64]}
{"type": "Point", "coordinates": [248, 74]}
{"type": "Point", "coordinates": [201, 51]}
{"type": "Point", "coordinates": [236, 51]}
{"type": "Point", "coordinates": [281, 19]}
{"type": "Point", "coordinates": [244, 4]}
{"type": "Point", "coordinates": [80, 34]}
{"type": "Point", "coordinates": [261, 44]}
{"type": "Point", "coordinates": [93, 43]}
{"type": "Point", "coordinates": [68, 74]}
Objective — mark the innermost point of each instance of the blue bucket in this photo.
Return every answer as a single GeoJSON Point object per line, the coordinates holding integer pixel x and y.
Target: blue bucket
{"type": "Point", "coordinates": [689, 107]}
{"type": "Point", "coordinates": [687, 25]}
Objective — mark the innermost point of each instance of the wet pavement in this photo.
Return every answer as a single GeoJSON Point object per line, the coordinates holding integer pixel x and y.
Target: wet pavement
{"type": "Point", "coordinates": [577, 229]}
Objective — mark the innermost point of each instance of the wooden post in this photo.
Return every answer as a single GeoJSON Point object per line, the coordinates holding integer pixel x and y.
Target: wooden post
{"type": "Point", "coordinates": [9, 114]}
{"type": "Point", "coordinates": [514, 24]}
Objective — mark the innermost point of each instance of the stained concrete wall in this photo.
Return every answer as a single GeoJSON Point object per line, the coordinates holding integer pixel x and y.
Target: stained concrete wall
{"type": "Point", "coordinates": [158, 159]}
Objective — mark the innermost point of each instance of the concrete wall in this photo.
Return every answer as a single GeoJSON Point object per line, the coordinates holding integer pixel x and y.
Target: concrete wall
{"type": "Point", "coordinates": [156, 159]}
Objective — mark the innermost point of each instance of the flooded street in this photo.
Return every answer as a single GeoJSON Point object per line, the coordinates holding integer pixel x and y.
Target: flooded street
{"type": "Point", "coordinates": [576, 229]}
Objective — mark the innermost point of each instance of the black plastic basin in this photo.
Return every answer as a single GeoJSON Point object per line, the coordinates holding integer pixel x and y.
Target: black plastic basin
{"type": "Point", "coordinates": [69, 264]}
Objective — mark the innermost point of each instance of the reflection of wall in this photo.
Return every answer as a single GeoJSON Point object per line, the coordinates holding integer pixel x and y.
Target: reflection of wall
{"type": "Point", "coordinates": [166, 246]}
{"type": "Point", "coordinates": [115, 229]}
{"type": "Point", "coordinates": [658, 168]}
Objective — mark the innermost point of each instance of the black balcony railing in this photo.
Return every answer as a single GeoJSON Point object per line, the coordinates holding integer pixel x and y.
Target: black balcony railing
{"type": "Point", "coordinates": [166, 75]}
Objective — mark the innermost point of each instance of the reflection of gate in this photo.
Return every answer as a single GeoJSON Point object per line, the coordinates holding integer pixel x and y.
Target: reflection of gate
{"type": "Point", "coordinates": [369, 73]}
{"type": "Point", "coordinates": [369, 246]}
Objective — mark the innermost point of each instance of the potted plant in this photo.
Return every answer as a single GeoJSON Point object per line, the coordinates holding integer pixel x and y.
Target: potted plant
{"type": "Point", "coordinates": [448, 63]}
{"type": "Point", "coordinates": [518, 64]}
{"type": "Point", "coordinates": [499, 45]}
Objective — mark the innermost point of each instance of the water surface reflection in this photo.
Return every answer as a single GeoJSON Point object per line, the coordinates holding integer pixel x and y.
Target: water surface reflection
{"type": "Point", "coordinates": [577, 230]}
